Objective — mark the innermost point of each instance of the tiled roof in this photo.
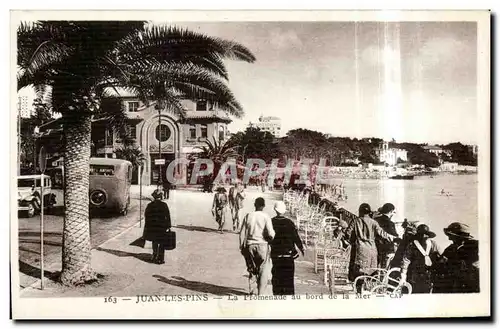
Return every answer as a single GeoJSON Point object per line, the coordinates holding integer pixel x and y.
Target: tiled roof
{"type": "Point", "coordinates": [207, 115]}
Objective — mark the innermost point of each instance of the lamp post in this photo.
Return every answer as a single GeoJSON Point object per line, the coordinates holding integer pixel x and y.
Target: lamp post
{"type": "Point", "coordinates": [140, 193]}
{"type": "Point", "coordinates": [158, 107]}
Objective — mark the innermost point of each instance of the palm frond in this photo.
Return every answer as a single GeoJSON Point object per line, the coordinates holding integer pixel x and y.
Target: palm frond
{"type": "Point", "coordinates": [113, 110]}
{"type": "Point", "coordinates": [158, 63]}
{"type": "Point", "coordinates": [131, 153]}
{"type": "Point", "coordinates": [189, 82]}
{"type": "Point", "coordinates": [217, 152]}
{"type": "Point", "coordinates": [170, 44]}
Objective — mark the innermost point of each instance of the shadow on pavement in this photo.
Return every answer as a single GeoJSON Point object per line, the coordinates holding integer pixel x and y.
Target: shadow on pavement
{"type": "Point", "coordinates": [35, 271]}
{"type": "Point", "coordinates": [37, 234]}
{"type": "Point", "coordinates": [45, 242]}
{"type": "Point", "coordinates": [196, 228]}
{"type": "Point", "coordinates": [95, 213]}
{"type": "Point", "coordinates": [145, 257]}
{"type": "Point", "coordinates": [202, 287]}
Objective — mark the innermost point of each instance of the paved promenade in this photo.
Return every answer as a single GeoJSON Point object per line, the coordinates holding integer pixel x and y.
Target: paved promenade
{"type": "Point", "coordinates": [205, 261]}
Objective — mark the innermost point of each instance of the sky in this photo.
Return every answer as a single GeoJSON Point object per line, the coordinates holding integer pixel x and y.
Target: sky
{"type": "Point", "coordinates": [411, 81]}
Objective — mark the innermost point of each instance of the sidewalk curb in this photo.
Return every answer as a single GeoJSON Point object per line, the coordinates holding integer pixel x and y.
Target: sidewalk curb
{"type": "Point", "coordinates": [38, 281]}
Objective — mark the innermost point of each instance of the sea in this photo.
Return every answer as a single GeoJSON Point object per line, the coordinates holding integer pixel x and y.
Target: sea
{"type": "Point", "coordinates": [420, 200]}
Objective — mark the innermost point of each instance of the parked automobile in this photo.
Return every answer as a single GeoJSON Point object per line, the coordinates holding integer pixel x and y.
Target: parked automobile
{"type": "Point", "coordinates": [29, 194]}
{"type": "Point", "coordinates": [110, 181]}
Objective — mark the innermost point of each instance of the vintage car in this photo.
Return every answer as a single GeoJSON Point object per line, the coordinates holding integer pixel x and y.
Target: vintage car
{"type": "Point", "coordinates": [110, 181]}
{"type": "Point", "coordinates": [29, 192]}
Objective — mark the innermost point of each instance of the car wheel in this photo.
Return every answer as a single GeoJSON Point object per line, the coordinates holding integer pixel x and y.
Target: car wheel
{"type": "Point", "coordinates": [31, 209]}
{"type": "Point", "coordinates": [98, 198]}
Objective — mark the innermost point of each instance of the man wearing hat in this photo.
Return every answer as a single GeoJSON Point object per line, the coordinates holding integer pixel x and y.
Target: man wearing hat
{"type": "Point", "coordinates": [283, 251]}
{"type": "Point", "coordinates": [157, 222]}
{"type": "Point", "coordinates": [420, 260]}
{"type": "Point", "coordinates": [459, 267]}
{"type": "Point", "coordinates": [385, 249]}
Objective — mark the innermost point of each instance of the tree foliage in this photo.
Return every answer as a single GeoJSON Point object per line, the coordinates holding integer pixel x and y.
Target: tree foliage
{"type": "Point", "coordinates": [132, 153]}
{"type": "Point", "coordinates": [42, 114]}
{"type": "Point", "coordinates": [461, 153]}
{"type": "Point", "coordinates": [338, 151]}
{"type": "Point", "coordinates": [254, 143]}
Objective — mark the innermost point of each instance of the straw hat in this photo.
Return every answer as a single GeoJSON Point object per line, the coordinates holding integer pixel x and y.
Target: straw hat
{"type": "Point", "coordinates": [458, 230]}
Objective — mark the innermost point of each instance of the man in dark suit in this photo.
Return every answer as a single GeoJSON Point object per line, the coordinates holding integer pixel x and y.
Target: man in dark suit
{"type": "Point", "coordinates": [167, 186]}
{"type": "Point", "coordinates": [157, 222]}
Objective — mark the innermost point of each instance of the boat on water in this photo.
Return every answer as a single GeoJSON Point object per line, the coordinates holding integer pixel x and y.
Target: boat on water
{"type": "Point", "coordinates": [401, 177]}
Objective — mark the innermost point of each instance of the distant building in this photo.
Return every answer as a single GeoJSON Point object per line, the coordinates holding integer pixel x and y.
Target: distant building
{"type": "Point", "coordinates": [436, 150]}
{"type": "Point", "coordinates": [25, 109]}
{"type": "Point", "coordinates": [390, 155]}
{"type": "Point", "coordinates": [270, 124]}
{"type": "Point", "coordinates": [473, 149]}
{"type": "Point", "coordinates": [449, 166]}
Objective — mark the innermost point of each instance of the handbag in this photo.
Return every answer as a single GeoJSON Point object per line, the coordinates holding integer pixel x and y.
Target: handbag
{"type": "Point", "coordinates": [169, 241]}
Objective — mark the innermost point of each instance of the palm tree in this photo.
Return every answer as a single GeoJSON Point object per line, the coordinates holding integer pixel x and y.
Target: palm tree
{"type": "Point", "coordinates": [85, 63]}
{"type": "Point", "coordinates": [219, 153]}
{"type": "Point", "coordinates": [131, 153]}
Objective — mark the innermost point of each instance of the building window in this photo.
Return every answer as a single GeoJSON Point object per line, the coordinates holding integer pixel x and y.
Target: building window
{"type": "Point", "coordinates": [162, 133]}
{"type": "Point", "coordinates": [192, 131]}
{"type": "Point", "coordinates": [221, 133]}
{"type": "Point", "coordinates": [133, 106]}
{"type": "Point", "coordinates": [132, 131]}
{"type": "Point", "coordinates": [204, 131]}
{"type": "Point", "coordinates": [108, 137]}
{"type": "Point", "coordinates": [201, 105]}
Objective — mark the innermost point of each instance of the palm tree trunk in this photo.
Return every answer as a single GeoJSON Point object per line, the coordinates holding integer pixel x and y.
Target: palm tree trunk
{"type": "Point", "coordinates": [76, 251]}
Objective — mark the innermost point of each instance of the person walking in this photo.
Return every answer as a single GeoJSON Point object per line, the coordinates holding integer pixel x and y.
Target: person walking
{"type": "Point", "coordinates": [167, 186]}
{"type": "Point", "coordinates": [385, 249]}
{"type": "Point", "coordinates": [256, 233]}
{"type": "Point", "coordinates": [361, 235]}
{"type": "Point", "coordinates": [219, 207]}
{"type": "Point", "coordinates": [458, 269]}
{"type": "Point", "coordinates": [239, 197]}
{"type": "Point", "coordinates": [419, 261]}
{"type": "Point", "coordinates": [232, 201]}
{"type": "Point", "coordinates": [157, 222]}
{"type": "Point", "coordinates": [284, 251]}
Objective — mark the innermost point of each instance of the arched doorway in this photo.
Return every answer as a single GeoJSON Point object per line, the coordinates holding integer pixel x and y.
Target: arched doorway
{"type": "Point", "coordinates": [160, 139]}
